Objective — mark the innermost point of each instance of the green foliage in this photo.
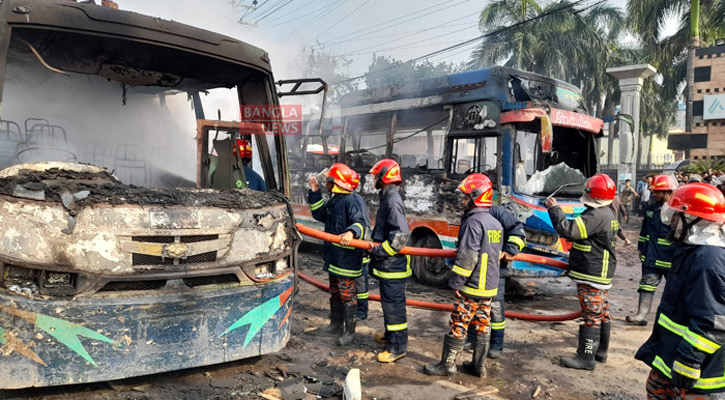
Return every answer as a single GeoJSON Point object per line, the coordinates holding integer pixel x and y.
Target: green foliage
{"type": "Point", "coordinates": [317, 63]}
{"type": "Point", "coordinates": [386, 71]}
{"type": "Point", "coordinates": [704, 167]}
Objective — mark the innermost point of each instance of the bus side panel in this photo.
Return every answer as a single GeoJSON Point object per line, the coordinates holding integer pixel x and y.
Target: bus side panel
{"type": "Point", "coordinates": [507, 151]}
{"type": "Point", "coordinates": [121, 337]}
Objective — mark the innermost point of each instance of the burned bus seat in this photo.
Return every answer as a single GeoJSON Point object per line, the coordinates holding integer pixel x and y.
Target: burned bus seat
{"type": "Point", "coordinates": [129, 165]}
{"type": "Point", "coordinates": [10, 137]}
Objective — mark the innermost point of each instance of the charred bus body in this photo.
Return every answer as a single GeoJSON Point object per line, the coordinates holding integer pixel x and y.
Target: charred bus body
{"type": "Point", "coordinates": [102, 280]}
{"type": "Point", "coordinates": [530, 134]}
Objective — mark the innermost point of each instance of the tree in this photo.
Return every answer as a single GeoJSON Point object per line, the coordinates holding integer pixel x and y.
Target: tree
{"type": "Point", "coordinates": [563, 43]}
{"type": "Point", "coordinates": [388, 71]}
{"type": "Point", "coordinates": [317, 63]}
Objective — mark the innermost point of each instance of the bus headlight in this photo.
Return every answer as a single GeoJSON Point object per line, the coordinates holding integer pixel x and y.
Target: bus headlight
{"type": "Point", "coordinates": [268, 271]}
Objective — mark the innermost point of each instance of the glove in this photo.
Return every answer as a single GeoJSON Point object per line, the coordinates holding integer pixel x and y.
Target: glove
{"type": "Point", "coordinates": [685, 374]}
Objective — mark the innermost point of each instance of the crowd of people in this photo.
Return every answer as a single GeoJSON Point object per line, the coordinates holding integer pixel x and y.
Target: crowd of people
{"type": "Point", "coordinates": [682, 239]}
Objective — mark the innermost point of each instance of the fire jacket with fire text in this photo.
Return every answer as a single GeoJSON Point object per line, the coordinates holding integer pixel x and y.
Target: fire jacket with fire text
{"type": "Point", "coordinates": [591, 258]}
{"type": "Point", "coordinates": [480, 240]}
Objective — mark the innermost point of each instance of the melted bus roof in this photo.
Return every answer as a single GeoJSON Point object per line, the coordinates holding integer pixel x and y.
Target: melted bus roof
{"type": "Point", "coordinates": [129, 47]}
{"type": "Point", "coordinates": [502, 84]}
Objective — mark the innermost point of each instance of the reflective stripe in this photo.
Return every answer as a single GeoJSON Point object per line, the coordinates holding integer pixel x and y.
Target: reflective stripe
{"type": "Point", "coordinates": [363, 296]}
{"type": "Point", "coordinates": [388, 249]}
{"type": "Point", "coordinates": [395, 275]}
{"type": "Point", "coordinates": [462, 271]}
{"type": "Point", "coordinates": [517, 241]}
{"type": "Point", "coordinates": [701, 342]}
{"type": "Point", "coordinates": [642, 258]}
{"type": "Point", "coordinates": [581, 247]}
{"type": "Point", "coordinates": [664, 242]}
{"type": "Point", "coordinates": [683, 369]}
{"type": "Point", "coordinates": [663, 264]}
{"type": "Point", "coordinates": [605, 264]}
{"type": "Point", "coordinates": [648, 288]}
{"type": "Point", "coordinates": [344, 247]}
{"type": "Point", "coordinates": [592, 278]}
{"type": "Point", "coordinates": [397, 327]}
{"type": "Point", "coordinates": [344, 272]}
{"type": "Point", "coordinates": [660, 365]}
{"type": "Point", "coordinates": [479, 292]}
{"type": "Point", "coordinates": [582, 227]}
{"type": "Point", "coordinates": [362, 230]}
{"type": "Point", "coordinates": [644, 238]}
{"type": "Point", "coordinates": [317, 205]}
{"type": "Point", "coordinates": [702, 383]}
{"type": "Point", "coordinates": [497, 326]}
{"type": "Point", "coordinates": [366, 260]}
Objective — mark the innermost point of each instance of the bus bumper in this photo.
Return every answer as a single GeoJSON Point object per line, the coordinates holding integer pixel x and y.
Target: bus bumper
{"type": "Point", "coordinates": [60, 342]}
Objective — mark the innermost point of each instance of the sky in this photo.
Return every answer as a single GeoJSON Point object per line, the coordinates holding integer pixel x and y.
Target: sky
{"type": "Point", "coordinates": [403, 29]}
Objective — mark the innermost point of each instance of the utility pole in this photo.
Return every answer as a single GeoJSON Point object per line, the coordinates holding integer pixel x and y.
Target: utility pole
{"type": "Point", "coordinates": [694, 44]}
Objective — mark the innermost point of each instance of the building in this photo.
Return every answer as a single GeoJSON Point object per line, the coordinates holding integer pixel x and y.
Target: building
{"type": "Point", "coordinates": [707, 139]}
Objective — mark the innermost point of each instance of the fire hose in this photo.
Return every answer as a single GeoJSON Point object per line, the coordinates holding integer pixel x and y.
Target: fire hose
{"type": "Point", "coordinates": [424, 252]}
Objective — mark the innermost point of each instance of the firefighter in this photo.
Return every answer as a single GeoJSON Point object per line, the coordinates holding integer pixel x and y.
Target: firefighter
{"type": "Point", "coordinates": [686, 349]}
{"type": "Point", "coordinates": [342, 216]}
{"type": "Point", "coordinates": [389, 267]}
{"type": "Point", "coordinates": [362, 283]}
{"type": "Point", "coordinates": [474, 278]}
{"type": "Point", "coordinates": [514, 238]}
{"type": "Point", "coordinates": [591, 265]}
{"type": "Point", "coordinates": [254, 180]}
{"type": "Point", "coordinates": [655, 248]}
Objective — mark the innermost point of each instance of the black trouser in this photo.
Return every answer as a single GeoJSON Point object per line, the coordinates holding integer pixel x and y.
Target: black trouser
{"type": "Point", "coordinates": [651, 278]}
{"type": "Point", "coordinates": [361, 286]}
{"type": "Point", "coordinates": [392, 296]}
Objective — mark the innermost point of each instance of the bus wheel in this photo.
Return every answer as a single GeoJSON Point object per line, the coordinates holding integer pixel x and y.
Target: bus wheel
{"type": "Point", "coordinates": [430, 271]}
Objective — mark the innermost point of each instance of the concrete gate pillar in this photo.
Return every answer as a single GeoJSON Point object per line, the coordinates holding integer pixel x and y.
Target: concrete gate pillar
{"type": "Point", "coordinates": [630, 78]}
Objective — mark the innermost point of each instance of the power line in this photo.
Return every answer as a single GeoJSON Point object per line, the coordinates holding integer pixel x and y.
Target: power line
{"type": "Point", "coordinates": [271, 12]}
{"type": "Point", "coordinates": [297, 18]}
{"type": "Point", "coordinates": [342, 19]}
{"type": "Point", "coordinates": [405, 32]}
{"type": "Point", "coordinates": [474, 40]}
{"type": "Point", "coordinates": [392, 20]}
{"type": "Point", "coordinates": [290, 12]}
{"type": "Point", "coordinates": [325, 13]}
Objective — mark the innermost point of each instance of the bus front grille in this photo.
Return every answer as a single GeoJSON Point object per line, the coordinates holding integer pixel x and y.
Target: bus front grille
{"type": "Point", "coordinates": [146, 259]}
{"type": "Point", "coordinates": [211, 280]}
{"type": "Point", "coordinates": [122, 286]}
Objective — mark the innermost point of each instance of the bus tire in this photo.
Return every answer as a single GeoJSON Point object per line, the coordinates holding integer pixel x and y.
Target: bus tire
{"type": "Point", "coordinates": [430, 271]}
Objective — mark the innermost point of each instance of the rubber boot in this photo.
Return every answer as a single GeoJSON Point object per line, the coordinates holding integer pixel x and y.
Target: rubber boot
{"type": "Point", "coordinates": [452, 347]}
{"type": "Point", "coordinates": [362, 309]}
{"type": "Point", "coordinates": [601, 355]}
{"type": "Point", "coordinates": [470, 340]}
{"type": "Point", "coordinates": [496, 343]}
{"type": "Point", "coordinates": [588, 346]}
{"type": "Point", "coordinates": [348, 337]}
{"type": "Point", "coordinates": [645, 304]}
{"type": "Point", "coordinates": [337, 318]}
{"type": "Point", "coordinates": [477, 366]}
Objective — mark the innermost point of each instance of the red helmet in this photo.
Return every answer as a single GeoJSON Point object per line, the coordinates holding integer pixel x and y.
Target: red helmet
{"type": "Point", "coordinates": [701, 200]}
{"type": "Point", "coordinates": [355, 180]}
{"type": "Point", "coordinates": [387, 170]}
{"type": "Point", "coordinates": [342, 175]}
{"type": "Point", "coordinates": [479, 187]}
{"type": "Point", "coordinates": [245, 148]}
{"type": "Point", "coordinates": [601, 187]}
{"type": "Point", "coordinates": [663, 183]}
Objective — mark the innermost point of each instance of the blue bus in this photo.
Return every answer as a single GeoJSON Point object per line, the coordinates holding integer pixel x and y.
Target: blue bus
{"type": "Point", "coordinates": [530, 134]}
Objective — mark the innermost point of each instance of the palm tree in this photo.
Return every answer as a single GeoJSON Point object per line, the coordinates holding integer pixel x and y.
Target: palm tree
{"type": "Point", "coordinates": [570, 45]}
{"type": "Point", "coordinates": [647, 19]}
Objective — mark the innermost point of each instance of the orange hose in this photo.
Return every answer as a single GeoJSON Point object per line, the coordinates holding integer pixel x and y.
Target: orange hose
{"type": "Point", "coordinates": [449, 307]}
{"type": "Point", "coordinates": [420, 251]}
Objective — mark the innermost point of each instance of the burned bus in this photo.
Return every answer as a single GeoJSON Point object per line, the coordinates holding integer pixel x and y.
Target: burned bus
{"type": "Point", "coordinates": [155, 262]}
{"type": "Point", "coordinates": [530, 134]}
